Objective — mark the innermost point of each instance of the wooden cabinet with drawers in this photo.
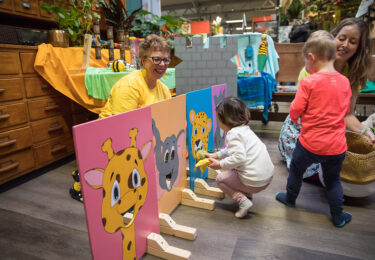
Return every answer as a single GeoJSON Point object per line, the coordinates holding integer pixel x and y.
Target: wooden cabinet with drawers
{"type": "Point", "coordinates": [35, 120]}
{"type": "Point", "coordinates": [25, 8]}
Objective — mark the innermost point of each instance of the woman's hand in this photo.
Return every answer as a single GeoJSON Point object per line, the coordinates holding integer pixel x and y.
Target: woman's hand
{"type": "Point", "coordinates": [211, 155]}
{"type": "Point", "coordinates": [368, 133]}
{"type": "Point", "coordinates": [215, 164]}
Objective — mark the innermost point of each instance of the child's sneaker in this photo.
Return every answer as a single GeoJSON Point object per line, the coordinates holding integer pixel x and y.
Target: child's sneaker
{"type": "Point", "coordinates": [342, 219]}
{"type": "Point", "coordinates": [244, 206]}
{"type": "Point", "coordinates": [281, 196]}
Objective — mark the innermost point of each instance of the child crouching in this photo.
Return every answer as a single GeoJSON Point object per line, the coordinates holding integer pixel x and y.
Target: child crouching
{"type": "Point", "coordinates": [245, 163]}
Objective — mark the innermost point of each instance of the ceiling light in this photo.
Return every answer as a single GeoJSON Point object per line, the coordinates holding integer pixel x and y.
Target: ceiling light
{"type": "Point", "coordinates": [234, 21]}
{"type": "Point", "coordinates": [240, 28]}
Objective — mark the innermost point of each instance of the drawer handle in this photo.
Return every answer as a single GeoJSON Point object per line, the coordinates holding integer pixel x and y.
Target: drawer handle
{"type": "Point", "coordinates": [26, 5]}
{"type": "Point", "coordinates": [51, 107]}
{"type": "Point", "coordinates": [1, 89]}
{"type": "Point", "coordinates": [55, 128]}
{"type": "Point", "coordinates": [43, 86]}
{"type": "Point", "coordinates": [7, 143]}
{"type": "Point", "coordinates": [4, 116]}
{"type": "Point", "coordinates": [9, 167]}
{"type": "Point", "coordinates": [58, 148]}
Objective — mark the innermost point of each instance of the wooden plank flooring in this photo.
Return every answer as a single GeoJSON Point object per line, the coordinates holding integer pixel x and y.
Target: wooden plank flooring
{"type": "Point", "coordinates": [39, 220]}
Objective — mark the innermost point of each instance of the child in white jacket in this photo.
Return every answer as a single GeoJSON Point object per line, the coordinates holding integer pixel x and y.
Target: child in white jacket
{"type": "Point", "coordinates": [245, 163]}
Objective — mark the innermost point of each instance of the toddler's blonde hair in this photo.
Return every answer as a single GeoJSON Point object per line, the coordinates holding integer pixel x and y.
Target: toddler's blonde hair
{"type": "Point", "coordinates": [322, 44]}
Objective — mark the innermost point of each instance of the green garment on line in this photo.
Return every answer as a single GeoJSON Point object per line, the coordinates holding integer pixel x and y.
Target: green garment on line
{"type": "Point", "coordinates": [99, 81]}
{"type": "Point", "coordinates": [370, 87]}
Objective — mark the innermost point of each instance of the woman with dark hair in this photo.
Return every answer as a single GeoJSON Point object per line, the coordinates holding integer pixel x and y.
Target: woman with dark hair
{"type": "Point", "coordinates": [352, 60]}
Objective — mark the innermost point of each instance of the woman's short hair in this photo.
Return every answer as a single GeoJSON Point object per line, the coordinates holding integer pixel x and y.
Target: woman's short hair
{"type": "Point", "coordinates": [233, 112]}
{"type": "Point", "coordinates": [153, 43]}
{"type": "Point", "coordinates": [359, 63]}
{"type": "Point", "coordinates": [322, 44]}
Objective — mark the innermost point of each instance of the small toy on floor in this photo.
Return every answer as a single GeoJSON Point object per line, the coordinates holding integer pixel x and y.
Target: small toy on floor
{"type": "Point", "coordinates": [75, 190]}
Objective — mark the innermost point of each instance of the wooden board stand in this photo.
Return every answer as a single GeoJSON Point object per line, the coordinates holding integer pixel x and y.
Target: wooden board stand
{"type": "Point", "coordinates": [170, 227]}
{"type": "Point", "coordinates": [157, 246]}
{"type": "Point", "coordinates": [201, 187]}
{"type": "Point", "coordinates": [190, 199]}
{"type": "Point", "coordinates": [211, 174]}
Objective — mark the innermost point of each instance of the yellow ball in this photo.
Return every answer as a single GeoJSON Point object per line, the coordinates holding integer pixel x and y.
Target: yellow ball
{"type": "Point", "coordinates": [117, 66]}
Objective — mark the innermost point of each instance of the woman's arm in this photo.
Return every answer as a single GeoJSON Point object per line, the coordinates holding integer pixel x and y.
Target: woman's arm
{"type": "Point", "coordinates": [353, 124]}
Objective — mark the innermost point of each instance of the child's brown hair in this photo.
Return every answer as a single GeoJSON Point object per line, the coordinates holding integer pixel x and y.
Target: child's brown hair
{"type": "Point", "coordinates": [233, 112]}
{"type": "Point", "coordinates": [322, 44]}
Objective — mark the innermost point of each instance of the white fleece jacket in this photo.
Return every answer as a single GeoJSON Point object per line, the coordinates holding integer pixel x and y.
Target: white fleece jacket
{"type": "Point", "coordinates": [247, 154]}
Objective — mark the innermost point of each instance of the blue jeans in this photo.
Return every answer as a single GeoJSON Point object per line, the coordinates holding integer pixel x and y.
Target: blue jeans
{"type": "Point", "coordinates": [331, 167]}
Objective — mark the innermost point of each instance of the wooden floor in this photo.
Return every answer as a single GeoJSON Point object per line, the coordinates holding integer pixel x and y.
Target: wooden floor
{"type": "Point", "coordinates": [39, 220]}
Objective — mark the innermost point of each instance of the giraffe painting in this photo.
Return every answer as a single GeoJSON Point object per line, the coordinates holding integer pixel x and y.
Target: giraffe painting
{"type": "Point", "coordinates": [124, 184]}
{"type": "Point", "coordinates": [115, 156]}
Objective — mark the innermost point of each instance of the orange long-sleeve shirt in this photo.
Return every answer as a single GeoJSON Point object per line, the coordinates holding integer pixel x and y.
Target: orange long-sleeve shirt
{"type": "Point", "coordinates": [322, 101]}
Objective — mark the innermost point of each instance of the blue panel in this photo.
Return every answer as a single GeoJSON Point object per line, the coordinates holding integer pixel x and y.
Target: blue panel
{"type": "Point", "coordinates": [199, 128]}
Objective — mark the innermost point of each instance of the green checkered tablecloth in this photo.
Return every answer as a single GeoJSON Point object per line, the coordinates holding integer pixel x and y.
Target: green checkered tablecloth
{"type": "Point", "coordinates": [99, 81]}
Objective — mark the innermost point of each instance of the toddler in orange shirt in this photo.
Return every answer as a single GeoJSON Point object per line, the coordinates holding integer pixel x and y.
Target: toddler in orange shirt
{"type": "Point", "coordinates": [321, 103]}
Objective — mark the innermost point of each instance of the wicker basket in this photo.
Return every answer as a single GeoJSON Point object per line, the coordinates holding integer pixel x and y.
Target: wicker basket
{"type": "Point", "coordinates": [359, 164]}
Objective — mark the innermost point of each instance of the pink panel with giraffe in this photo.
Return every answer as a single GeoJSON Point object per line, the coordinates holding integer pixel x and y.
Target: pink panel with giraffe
{"type": "Point", "coordinates": [116, 162]}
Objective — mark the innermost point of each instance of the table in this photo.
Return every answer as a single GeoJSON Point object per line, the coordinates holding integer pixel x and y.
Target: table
{"type": "Point", "coordinates": [363, 98]}
{"type": "Point", "coordinates": [99, 81]}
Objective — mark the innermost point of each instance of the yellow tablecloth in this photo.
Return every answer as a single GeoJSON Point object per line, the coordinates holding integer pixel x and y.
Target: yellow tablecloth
{"type": "Point", "coordinates": [61, 67]}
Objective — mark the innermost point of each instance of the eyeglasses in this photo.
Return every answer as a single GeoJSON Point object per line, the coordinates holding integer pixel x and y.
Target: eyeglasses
{"type": "Point", "coordinates": [158, 60]}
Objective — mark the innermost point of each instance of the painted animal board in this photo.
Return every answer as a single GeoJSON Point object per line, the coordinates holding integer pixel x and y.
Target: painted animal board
{"type": "Point", "coordinates": [169, 130]}
{"type": "Point", "coordinates": [199, 129]}
{"type": "Point", "coordinates": [219, 92]}
{"type": "Point", "coordinates": [117, 173]}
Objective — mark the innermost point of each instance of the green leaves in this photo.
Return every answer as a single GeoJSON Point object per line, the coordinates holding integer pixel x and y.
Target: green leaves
{"type": "Point", "coordinates": [76, 18]}
{"type": "Point", "coordinates": [114, 12]}
{"type": "Point", "coordinates": [146, 23]}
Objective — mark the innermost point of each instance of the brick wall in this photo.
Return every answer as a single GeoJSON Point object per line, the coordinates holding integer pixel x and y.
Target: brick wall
{"type": "Point", "coordinates": [205, 67]}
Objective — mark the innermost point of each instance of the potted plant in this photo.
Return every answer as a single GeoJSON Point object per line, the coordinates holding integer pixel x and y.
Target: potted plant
{"type": "Point", "coordinates": [75, 17]}
{"type": "Point", "coordinates": [116, 15]}
{"type": "Point", "coordinates": [145, 23]}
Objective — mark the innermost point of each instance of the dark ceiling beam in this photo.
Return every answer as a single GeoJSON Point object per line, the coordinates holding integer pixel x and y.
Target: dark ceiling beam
{"type": "Point", "coordinates": [206, 4]}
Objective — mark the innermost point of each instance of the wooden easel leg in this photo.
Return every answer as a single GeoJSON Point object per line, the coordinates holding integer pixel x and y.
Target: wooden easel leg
{"type": "Point", "coordinates": [211, 174]}
{"type": "Point", "coordinates": [157, 246]}
{"type": "Point", "coordinates": [190, 199]}
{"type": "Point", "coordinates": [168, 226]}
{"type": "Point", "coordinates": [201, 187]}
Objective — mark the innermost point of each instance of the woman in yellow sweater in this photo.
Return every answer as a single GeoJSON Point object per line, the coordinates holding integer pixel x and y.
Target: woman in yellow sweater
{"type": "Point", "coordinates": [138, 89]}
{"type": "Point", "coordinates": [141, 88]}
